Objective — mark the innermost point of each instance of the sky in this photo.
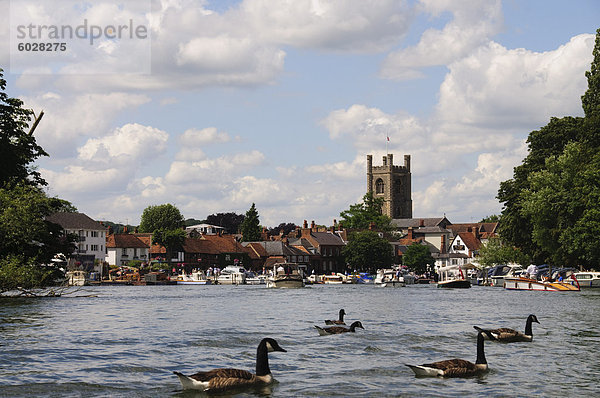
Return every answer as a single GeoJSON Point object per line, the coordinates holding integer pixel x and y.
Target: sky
{"type": "Point", "coordinates": [214, 105]}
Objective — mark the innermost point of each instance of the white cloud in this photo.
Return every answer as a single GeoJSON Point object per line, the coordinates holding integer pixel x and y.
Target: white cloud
{"type": "Point", "coordinates": [496, 88]}
{"type": "Point", "coordinates": [129, 144]}
{"type": "Point", "coordinates": [69, 119]}
{"type": "Point", "coordinates": [473, 25]}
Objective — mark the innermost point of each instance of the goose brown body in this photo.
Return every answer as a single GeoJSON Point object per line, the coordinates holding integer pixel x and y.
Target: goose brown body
{"type": "Point", "coordinates": [507, 335]}
{"type": "Point", "coordinates": [229, 378]}
{"type": "Point", "coordinates": [339, 329]}
{"type": "Point", "coordinates": [339, 321]}
{"type": "Point", "coordinates": [455, 367]}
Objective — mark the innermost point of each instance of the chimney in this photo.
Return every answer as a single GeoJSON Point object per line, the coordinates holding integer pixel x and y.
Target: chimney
{"type": "Point", "coordinates": [312, 225]}
{"type": "Point", "coordinates": [410, 233]}
{"type": "Point", "coordinates": [476, 233]}
{"type": "Point", "coordinates": [421, 223]}
{"type": "Point", "coordinates": [443, 245]}
{"type": "Point", "coordinates": [305, 224]}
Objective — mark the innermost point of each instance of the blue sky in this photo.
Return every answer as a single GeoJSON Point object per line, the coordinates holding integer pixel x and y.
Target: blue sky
{"type": "Point", "coordinates": [279, 102]}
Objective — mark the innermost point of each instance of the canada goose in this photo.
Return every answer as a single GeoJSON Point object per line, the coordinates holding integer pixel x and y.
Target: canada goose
{"type": "Point", "coordinates": [455, 367]}
{"type": "Point", "coordinates": [339, 329]}
{"type": "Point", "coordinates": [507, 335]}
{"type": "Point", "coordinates": [223, 379]}
{"type": "Point", "coordinates": [340, 321]}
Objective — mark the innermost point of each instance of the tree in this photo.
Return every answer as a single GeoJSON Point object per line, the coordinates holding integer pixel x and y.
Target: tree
{"type": "Point", "coordinates": [18, 148]}
{"type": "Point", "coordinates": [495, 252]}
{"type": "Point", "coordinates": [251, 226]}
{"type": "Point", "coordinates": [492, 218]}
{"type": "Point", "coordinates": [285, 227]}
{"type": "Point", "coordinates": [171, 239]}
{"type": "Point", "coordinates": [542, 236]}
{"type": "Point", "coordinates": [563, 203]}
{"type": "Point", "coordinates": [165, 217]}
{"type": "Point", "coordinates": [361, 215]}
{"type": "Point", "coordinates": [27, 241]}
{"type": "Point", "coordinates": [230, 221]}
{"type": "Point", "coordinates": [417, 258]}
{"type": "Point", "coordinates": [367, 251]}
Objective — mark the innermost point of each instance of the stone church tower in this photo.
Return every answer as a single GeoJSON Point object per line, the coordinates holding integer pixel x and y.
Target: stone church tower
{"type": "Point", "coordinates": [393, 184]}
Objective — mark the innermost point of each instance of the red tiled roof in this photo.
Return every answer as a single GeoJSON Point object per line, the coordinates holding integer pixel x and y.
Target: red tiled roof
{"type": "Point", "coordinates": [470, 241]}
{"type": "Point", "coordinates": [125, 241]}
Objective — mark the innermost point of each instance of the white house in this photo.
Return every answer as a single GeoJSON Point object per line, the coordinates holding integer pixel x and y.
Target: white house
{"type": "Point", "coordinates": [205, 229]}
{"type": "Point", "coordinates": [91, 238]}
{"type": "Point", "coordinates": [123, 248]}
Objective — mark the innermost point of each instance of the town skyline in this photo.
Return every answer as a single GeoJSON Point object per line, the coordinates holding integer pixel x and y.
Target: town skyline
{"type": "Point", "coordinates": [278, 105]}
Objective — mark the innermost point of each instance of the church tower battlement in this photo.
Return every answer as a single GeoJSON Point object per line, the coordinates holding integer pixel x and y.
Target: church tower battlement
{"type": "Point", "coordinates": [393, 184]}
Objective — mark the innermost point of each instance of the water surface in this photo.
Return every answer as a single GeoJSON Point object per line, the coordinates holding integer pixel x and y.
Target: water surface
{"type": "Point", "coordinates": [127, 341]}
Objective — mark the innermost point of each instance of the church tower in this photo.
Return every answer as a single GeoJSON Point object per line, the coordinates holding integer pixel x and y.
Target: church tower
{"type": "Point", "coordinates": [393, 184]}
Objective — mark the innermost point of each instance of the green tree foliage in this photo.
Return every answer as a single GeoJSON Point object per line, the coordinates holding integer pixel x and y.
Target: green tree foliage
{"type": "Point", "coordinates": [492, 218]}
{"type": "Point", "coordinates": [495, 252]}
{"type": "Point", "coordinates": [27, 240]}
{"type": "Point", "coordinates": [361, 215]}
{"type": "Point", "coordinates": [165, 217]}
{"type": "Point", "coordinates": [552, 160]}
{"type": "Point", "coordinates": [230, 221]}
{"type": "Point", "coordinates": [417, 258]}
{"type": "Point", "coordinates": [367, 251]}
{"type": "Point", "coordinates": [171, 239]}
{"type": "Point", "coordinates": [18, 149]}
{"type": "Point", "coordinates": [285, 227]}
{"type": "Point", "coordinates": [250, 227]}
{"type": "Point", "coordinates": [563, 203]}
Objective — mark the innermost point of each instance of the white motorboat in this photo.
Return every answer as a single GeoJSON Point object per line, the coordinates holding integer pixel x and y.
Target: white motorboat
{"type": "Point", "coordinates": [286, 275]}
{"type": "Point", "coordinates": [587, 279]}
{"type": "Point", "coordinates": [77, 278]}
{"type": "Point", "coordinates": [336, 279]}
{"type": "Point", "coordinates": [522, 283]}
{"type": "Point", "coordinates": [232, 275]}
{"type": "Point", "coordinates": [254, 279]}
{"type": "Point", "coordinates": [389, 277]}
{"type": "Point", "coordinates": [501, 272]}
{"type": "Point", "coordinates": [452, 277]}
{"type": "Point", "coordinates": [195, 278]}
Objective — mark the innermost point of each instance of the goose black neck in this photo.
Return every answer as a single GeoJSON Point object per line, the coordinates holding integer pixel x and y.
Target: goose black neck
{"type": "Point", "coordinates": [262, 360]}
{"type": "Point", "coordinates": [528, 328]}
{"type": "Point", "coordinates": [480, 353]}
{"type": "Point", "coordinates": [342, 315]}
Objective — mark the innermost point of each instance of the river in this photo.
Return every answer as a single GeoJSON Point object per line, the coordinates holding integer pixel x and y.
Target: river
{"type": "Point", "coordinates": [127, 340]}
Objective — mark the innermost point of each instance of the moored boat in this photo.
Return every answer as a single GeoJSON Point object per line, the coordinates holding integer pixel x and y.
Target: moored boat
{"type": "Point", "coordinates": [232, 275]}
{"type": "Point", "coordinates": [522, 283]}
{"type": "Point", "coordinates": [587, 279]}
{"type": "Point", "coordinates": [77, 278]}
{"type": "Point", "coordinates": [452, 277]}
{"type": "Point", "coordinates": [286, 275]}
{"type": "Point", "coordinates": [336, 279]}
{"type": "Point", "coordinates": [195, 278]}
{"type": "Point", "coordinates": [389, 277]}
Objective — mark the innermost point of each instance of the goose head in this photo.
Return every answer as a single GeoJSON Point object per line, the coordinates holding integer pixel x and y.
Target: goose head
{"type": "Point", "coordinates": [272, 345]}
{"type": "Point", "coordinates": [533, 318]}
{"type": "Point", "coordinates": [355, 325]}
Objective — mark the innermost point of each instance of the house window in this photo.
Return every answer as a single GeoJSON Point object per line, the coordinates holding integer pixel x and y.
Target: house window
{"type": "Point", "coordinates": [94, 234]}
{"type": "Point", "coordinates": [94, 248]}
{"type": "Point", "coordinates": [124, 251]}
{"type": "Point", "coordinates": [379, 186]}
